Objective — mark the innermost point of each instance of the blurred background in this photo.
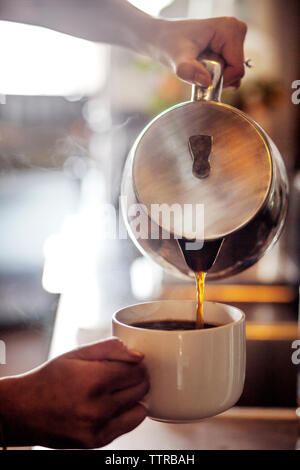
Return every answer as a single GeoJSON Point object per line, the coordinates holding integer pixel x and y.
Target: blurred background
{"type": "Point", "coordinates": [70, 111]}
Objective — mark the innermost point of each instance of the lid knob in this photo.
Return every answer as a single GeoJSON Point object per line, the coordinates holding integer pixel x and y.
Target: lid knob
{"type": "Point", "coordinates": [200, 149]}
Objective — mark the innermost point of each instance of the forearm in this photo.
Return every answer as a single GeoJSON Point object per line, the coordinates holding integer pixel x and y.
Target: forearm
{"type": "Point", "coordinates": [109, 21]}
{"type": "Point", "coordinates": [175, 43]}
{"type": "Point", "coordinates": [13, 413]}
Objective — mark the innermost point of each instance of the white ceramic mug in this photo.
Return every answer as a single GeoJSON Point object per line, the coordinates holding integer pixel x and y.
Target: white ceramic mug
{"type": "Point", "coordinates": [194, 374]}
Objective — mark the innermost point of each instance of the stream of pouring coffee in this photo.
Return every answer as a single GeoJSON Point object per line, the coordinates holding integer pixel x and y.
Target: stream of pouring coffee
{"type": "Point", "coordinates": [200, 261]}
{"type": "Point", "coordinates": [200, 278]}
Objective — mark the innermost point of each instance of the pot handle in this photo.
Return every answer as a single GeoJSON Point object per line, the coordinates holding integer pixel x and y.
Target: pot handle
{"type": "Point", "coordinates": [215, 65]}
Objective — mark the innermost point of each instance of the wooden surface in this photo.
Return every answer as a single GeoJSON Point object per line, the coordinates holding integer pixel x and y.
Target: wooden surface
{"type": "Point", "coordinates": [236, 429]}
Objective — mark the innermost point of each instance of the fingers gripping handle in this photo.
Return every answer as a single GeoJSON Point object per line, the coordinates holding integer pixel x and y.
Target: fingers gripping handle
{"type": "Point", "coordinates": [215, 65]}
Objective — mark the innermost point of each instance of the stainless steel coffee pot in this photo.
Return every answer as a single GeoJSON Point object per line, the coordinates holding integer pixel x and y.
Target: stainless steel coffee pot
{"type": "Point", "coordinates": [205, 154]}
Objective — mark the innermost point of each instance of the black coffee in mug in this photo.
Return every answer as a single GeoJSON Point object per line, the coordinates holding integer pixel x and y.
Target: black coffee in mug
{"type": "Point", "coordinates": [171, 325]}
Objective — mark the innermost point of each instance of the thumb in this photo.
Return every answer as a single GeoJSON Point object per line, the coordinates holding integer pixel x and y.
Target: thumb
{"type": "Point", "coordinates": [193, 71]}
{"type": "Point", "coordinates": [111, 349]}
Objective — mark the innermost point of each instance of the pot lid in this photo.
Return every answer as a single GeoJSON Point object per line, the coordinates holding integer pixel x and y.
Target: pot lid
{"type": "Point", "coordinates": [202, 154]}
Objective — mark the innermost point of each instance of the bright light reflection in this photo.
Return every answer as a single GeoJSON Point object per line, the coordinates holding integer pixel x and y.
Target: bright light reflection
{"type": "Point", "coordinates": [153, 7]}
{"type": "Point", "coordinates": [146, 278]}
{"type": "Point", "coordinates": [39, 61]}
